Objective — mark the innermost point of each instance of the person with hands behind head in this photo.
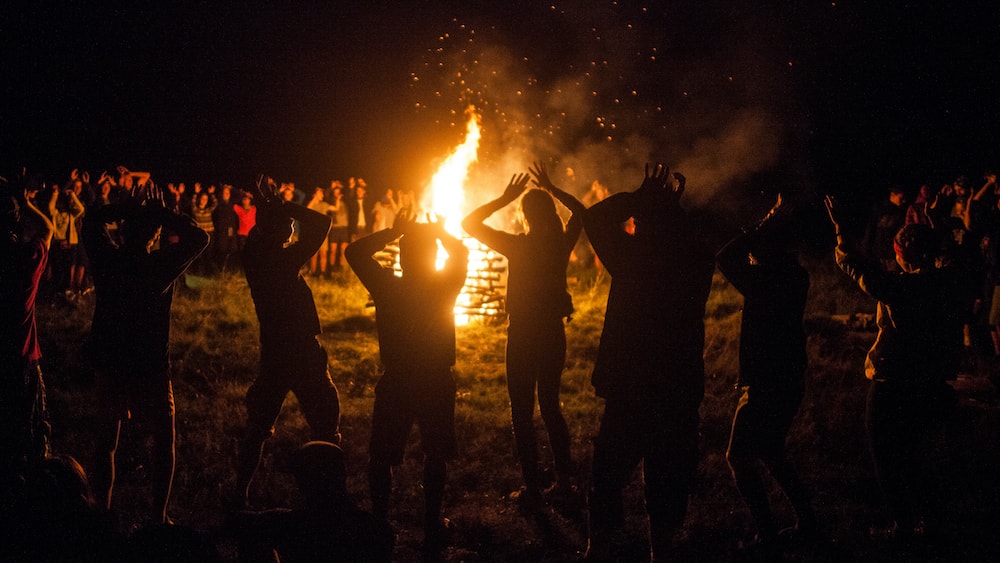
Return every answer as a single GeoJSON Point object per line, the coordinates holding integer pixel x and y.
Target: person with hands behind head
{"type": "Point", "coordinates": [134, 277]}
{"type": "Point", "coordinates": [537, 304]}
{"type": "Point", "coordinates": [415, 316]}
{"type": "Point", "coordinates": [761, 265]}
{"type": "Point", "coordinates": [918, 349]}
{"type": "Point", "coordinates": [291, 356]}
{"type": "Point", "coordinates": [650, 367]}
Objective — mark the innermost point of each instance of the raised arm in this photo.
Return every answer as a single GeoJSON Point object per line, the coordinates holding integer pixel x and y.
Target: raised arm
{"type": "Point", "coordinates": [360, 254]}
{"type": "Point", "coordinates": [474, 222]}
{"type": "Point", "coordinates": [734, 258]}
{"type": "Point", "coordinates": [173, 259]}
{"type": "Point", "coordinates": [42, 225]}
{"type": "Point", "coordinates": [314, 228]}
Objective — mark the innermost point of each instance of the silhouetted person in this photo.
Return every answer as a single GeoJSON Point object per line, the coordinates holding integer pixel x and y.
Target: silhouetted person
{"type": "Point", "coordinates": [24, 247]}
{"type": "Point", "coordinates": [649, 367]}
{"type": "Point", "coordinates": [761, 266]}
{"type": "Point", "coordinates": [416, 335]}
{"type": "Point", "coordinates": [537, 304]}
{"type": "Point", "coordinates": [325, 525]}
{"type": "Point", "coordinates": [291, 356]}
{"type": "Point", "coordinates": [917, 351]}
{"type": "Point", "coordinates": [134, 274]}
{"type": "Point", "coordinates": [887, 217]}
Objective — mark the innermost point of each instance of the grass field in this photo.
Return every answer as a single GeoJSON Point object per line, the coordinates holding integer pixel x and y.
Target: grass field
{"type": "Point", "coordinates": [214, 350]}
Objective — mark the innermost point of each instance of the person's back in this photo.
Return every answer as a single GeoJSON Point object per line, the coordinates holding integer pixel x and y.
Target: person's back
{"type": "Point", "coordinates": [285, 305]}
{"type": "Point", "coordinates": [131, 325]}
{"type": "Point", "coordinates": [654, 322]}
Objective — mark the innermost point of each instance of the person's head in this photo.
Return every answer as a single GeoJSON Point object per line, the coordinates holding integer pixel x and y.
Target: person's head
{"type": "Point", "coordinates": [539, 213]}
{"type": "Point", "coordinates": [139, 231]}
{"type": "Point", "coordinates": [246, 200]}
{"type": "Point", "coordinates": [320, 470]}
{"type": "Point", "coordinates": [227, 191]}
{"type": "Point", "coordinates": [317, 194]}
{"type": "Point", "coordinates": [923, 194]}
{"type": "Point", "coordinates": [916, 247]}
{"type": "Point", "coordinates": [273, 225]}
{"type": "Point", "coordinates": [203, 200]}
{"type": "Point", "coordinates": [961, 185]}
{"type": "Point", "coordinates": [897, 196]}
{"type": "Point", "coordinates": [418, 250]}
{"type": "Point", "coordinates": [58, 483]}
{"type": "Point", "coordinates": [360, 190]}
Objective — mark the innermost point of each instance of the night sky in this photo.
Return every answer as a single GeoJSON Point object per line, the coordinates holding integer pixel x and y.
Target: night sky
{"type": "Point", "coordinates": [835, 96]}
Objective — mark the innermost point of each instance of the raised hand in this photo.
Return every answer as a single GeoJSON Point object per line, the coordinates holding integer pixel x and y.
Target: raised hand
{"type": "Point", "coordinates": [265, 191]}
{"type": "Point", "coordinates": [85, 176]}
{"type": "Point", "coordinates": [518, 183]}
{"type": "Point", "coordinates": [655, 177]}
{"type": "Point", "coordinates": [541, 174]}
{"type": "Point", "coordinates": [154, 195]}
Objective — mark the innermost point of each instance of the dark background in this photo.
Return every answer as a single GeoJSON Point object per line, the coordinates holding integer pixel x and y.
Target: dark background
{"type": "Point", "coordinates": [847, 97]}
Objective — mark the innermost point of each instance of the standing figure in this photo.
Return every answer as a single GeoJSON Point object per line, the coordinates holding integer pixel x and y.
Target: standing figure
{"type": "Point", "coordinates": [918, 349]}
{"type": "Point", "coordinates": [537, 304]}
{"type": "Point", "coordinates": [761, 266]}
{"type": "Point", "coordinates": [134, 274]}
{"type": "Point", "coordinates": [649, 369]}
{"type": "Point", "coordinates": [291, 357]}
{"type": "Point", "coordinates": [886, 218]}
{"type": "Point", "coordinates": [416, 335]}
{"type": "Point", "coordinates": [339, 234]}
{"type": "Point", "coordinates": [24, 245]}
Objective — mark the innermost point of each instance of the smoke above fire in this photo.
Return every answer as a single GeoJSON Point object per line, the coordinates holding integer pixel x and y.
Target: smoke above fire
{"type": "Point", "coordinates": [599, 90]}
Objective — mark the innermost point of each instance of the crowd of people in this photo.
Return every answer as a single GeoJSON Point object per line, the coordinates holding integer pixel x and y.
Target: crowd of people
{"type": "Point", "coordinates": [922, 265]}
{"type": "Point", "coordinates": [226, 212]}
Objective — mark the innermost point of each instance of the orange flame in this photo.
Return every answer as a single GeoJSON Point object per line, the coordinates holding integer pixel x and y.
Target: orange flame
{"type": "Point", "coordinates": [447, 187]}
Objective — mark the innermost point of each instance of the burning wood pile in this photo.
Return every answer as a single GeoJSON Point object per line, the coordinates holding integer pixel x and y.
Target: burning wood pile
{"type": "Point", "coordinates": [483, 297]}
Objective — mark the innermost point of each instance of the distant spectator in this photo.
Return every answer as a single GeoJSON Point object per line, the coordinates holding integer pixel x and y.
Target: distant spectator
{"type": "Point", "coordinates": [360, 218]}
{"type": "Point", "coordinates": [226, 225]}
{"type": "Point", "coordinates": [246, 212]}
{"type": "Point", "coordinates": [339, 234]}
{"type": "Point", "coordinates": [64, 209]}
{"type": "Point", "coordinates": [920, 211]}
{"type": "Point", "coordinates": [886, 218]}
{"type": "Point", "coordinates": [318, 262]}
